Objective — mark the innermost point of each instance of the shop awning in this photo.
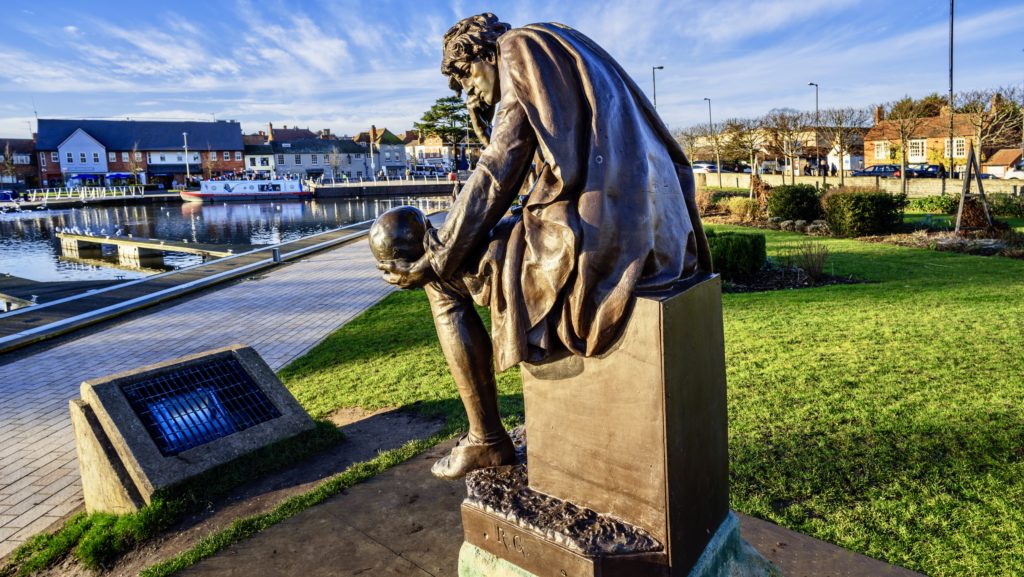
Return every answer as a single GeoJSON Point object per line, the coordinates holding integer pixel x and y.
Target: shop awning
{"type": "Point", "coordinates": [314, 171]}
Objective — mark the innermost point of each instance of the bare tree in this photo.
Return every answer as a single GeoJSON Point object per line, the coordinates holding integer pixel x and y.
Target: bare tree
{"type": "Point", "coordinates": [8, 168]}
{"type": "Point", "coordinates": [745, 138]}
{"type": "Point", "coordinates": [903, 118]}
{"type": "Point", "coordinates": [688, 138]}
{"type": "Point", "coordinates": [135, 162]}
{"type": "Point", "coordinates": [208, 163]}
{"type": "Point", "coordinates": [335, 162]}
{"type": "Point", "coordinates": [842, 128]}
{"type": "Point", "coordinates": [994, 116]}
{"type": "Point", "coordinates": [783, 128]}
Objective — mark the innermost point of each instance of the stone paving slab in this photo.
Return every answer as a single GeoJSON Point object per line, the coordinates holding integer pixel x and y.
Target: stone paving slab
{"type": "Point", "coordinates": [282, 314]}
{"type": "Point", "coordinates": [406, 520]}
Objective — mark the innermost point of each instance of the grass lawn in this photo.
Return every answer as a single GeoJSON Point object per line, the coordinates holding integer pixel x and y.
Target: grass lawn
{"type": "Point", "coordinates": [884, 417]}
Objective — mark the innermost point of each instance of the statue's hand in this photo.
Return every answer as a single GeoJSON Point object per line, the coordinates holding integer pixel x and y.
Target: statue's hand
{"type": "Point", "coordinates": [408, 274]}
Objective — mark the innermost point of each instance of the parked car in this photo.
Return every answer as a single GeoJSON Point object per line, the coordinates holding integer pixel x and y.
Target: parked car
{"type": "Point", "coordinates": [881, 170]}
{"type": "Point", "coordinates": [1016, 172]}
{"type": "Point", "coordinates": [704, 167]}
{"type": "Point", "coordinates": [986, 176]}
{"type": "Point", "coordinates": [923, 171]}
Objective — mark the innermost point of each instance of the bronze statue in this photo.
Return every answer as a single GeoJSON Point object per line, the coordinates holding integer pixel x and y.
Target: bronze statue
{"type": "Point", "coordinates": [607, 209]}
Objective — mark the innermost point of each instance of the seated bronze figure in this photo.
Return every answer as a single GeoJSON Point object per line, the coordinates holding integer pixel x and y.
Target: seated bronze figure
{"type": "Point", "coordinates": [607, 209]}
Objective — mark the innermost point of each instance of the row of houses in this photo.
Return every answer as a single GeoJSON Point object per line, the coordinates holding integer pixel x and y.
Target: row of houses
{"type": "Point", "coordinates": [918, 140]}
{"type": "Point", "coordinates": [69, 152]}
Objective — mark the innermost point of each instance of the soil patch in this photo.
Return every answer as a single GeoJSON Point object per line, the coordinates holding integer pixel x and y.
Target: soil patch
{"type": "Point", "coordinates": [773, 278]}
{"type": "Point", "coordinates": [366, 434]}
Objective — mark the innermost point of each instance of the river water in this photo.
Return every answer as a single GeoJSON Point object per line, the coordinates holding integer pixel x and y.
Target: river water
{"type": "Point", "coordinates": [29, 247]}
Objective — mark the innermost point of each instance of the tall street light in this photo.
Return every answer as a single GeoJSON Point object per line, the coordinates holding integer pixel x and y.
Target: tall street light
{"type": "Point", "coordinates": [188, 175]}
{"type": "Point", "coordinates": [654, 84]}
{"type": "Point", "coordinates": [714, 143]}
{"type": "Point", "coordinates": [817, 123]}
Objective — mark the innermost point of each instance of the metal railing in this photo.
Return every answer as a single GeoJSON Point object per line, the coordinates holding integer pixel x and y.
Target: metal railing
{"type": "Point", "coordinates": [83, 192]}
{"type": "Point", "coordinates": [386, 180]}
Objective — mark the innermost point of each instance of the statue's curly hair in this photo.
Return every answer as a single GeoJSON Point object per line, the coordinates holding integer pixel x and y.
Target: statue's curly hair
{"type": "Point", "coordinates": [470, 38]}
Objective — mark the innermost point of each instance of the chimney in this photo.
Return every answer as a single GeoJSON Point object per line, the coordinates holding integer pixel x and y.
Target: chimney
{"type": "Point", "coordinates": [373, 133]}
{"type": "Point", "coordinates": [879, 114]}
{"type": "Point", "coordinates": [35, 137]}
{"type": "Point", "coordinates": [996, 102]}
{"type": "Point", "coordinates": [270, 132]}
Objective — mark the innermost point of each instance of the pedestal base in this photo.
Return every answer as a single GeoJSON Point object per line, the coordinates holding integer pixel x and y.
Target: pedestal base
{"type": "Point", "coordinates": [727, 555]}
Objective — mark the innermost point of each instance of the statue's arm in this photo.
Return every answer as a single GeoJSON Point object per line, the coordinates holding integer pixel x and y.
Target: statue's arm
{"type": "Point", "coordinates": [488, 194]}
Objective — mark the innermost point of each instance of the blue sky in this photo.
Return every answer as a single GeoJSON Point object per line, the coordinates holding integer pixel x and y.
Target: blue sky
{"type": "Point", "coordinates": [344, 65]}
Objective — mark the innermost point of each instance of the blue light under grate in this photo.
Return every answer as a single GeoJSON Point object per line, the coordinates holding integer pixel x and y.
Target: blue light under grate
{"type": "Point", "coordinates": [192, 406]}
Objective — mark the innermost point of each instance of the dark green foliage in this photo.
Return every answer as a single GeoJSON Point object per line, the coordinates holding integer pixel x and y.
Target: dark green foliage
{"type": "Point", "coordinates": [794, 202]}
{"type": "Point", "coordinates": [941, 204]}
{"type": "Point", "coordinates": [1006, 205]}
{"type": "Point", "coordinates": [861, 213]}
{"type": "Point", "coordinates": [737, 255]}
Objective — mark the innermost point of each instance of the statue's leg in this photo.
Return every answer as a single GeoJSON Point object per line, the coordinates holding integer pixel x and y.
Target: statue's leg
{"type": "Point", "coordinates": [467, 348]}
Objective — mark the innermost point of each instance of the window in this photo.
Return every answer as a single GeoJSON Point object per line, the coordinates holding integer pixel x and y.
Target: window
{"type": "Point", "coordinates": [264, 161]}
{"type": "Point", "coordinates": [959, 148]}
{"type": "Point", "coordinates": [238, 155]}
{"type": "Point", "coordinates": [881, 151]}
{"type": "Point", "coordinates": [181, 158]}
{"type": "Point", "coordinates": [81, 157]}
{"type": "Point", "coordinates": [252, 161]}
{"type": "Point", "coordinates": [54, 157]}
{"type": "Point", "coordinates": [124, 157]}
{"type": "Point", "coordinates": [227, 155]}
{"type": "Point", "coordinates": [42, 159]}
{"type": "Point", "coordinates": [298, 159]}
{"type": "Point", "coordinates": [163, 158]}
{"type": "Point", "coordinates": [138, 157]}
{"type": "Point", "coordinates": [112, 157]}
{"type": "Point", "coordinates": [387, 156]}
{"type": "Point", "coordinates": [312, 159]}
{"type": "Point", "coordinates": [280, 159]}
{"type": "Point", "coordinates": [916, 150]}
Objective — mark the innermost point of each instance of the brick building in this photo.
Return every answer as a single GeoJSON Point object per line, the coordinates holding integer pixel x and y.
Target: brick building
{"type": "Point", "coordinates": [113, 152]}
{"type": "Point", "coordinates": [20, 169]}
{"type": "Point", "coordinates": [928, 142]}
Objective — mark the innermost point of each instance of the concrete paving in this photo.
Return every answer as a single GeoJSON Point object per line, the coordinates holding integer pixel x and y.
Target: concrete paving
{"type": "Point", "coordinates": [405, 522]}
{"type": "Point", "coordinates": [282, 314]}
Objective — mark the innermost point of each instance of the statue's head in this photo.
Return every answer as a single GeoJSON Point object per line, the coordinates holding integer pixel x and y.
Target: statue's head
{"type": "Point", "coordinates": [471, 64]}
{"type": "Point", "coordinates": [398, 234]}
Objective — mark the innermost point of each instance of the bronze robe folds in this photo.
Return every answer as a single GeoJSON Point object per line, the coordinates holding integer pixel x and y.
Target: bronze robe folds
{"type": "Point", "coordinates": [612, 209]}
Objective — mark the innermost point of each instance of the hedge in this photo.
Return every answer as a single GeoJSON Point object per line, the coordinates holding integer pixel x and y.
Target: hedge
{"type": "Point", "coordinates": [794, 202]}
{"type": "Point", "coordinates": [861, 213]}
{"type": "Point", "coordinates": [737, 255]}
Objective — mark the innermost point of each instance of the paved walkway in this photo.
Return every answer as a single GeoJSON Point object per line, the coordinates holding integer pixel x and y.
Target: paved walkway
{"type": "Point", "coordinates": [282, 315]}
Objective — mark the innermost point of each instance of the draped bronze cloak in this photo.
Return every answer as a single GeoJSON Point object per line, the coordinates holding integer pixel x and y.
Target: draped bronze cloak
{"type": "Point", "coordinates": [611, 210]}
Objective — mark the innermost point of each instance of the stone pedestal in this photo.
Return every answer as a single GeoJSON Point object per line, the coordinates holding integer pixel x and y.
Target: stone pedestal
{"type": "Point", "coordinates": [631, 446]}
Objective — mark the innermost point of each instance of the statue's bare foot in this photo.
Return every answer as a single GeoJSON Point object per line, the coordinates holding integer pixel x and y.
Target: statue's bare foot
{"type": "Point", "coordinates": [471, 454]}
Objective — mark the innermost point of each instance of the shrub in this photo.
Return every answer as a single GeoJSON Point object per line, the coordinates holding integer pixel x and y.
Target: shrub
{"type": "Point", "coordinates": [794, 202]}
{"type": "Point", "coordinates": [809, 257]}
{"type": "Point", "coordinates": [1006, 205]}
{"type": "Point", "coordinates": [705, 200]}
{"type": "Point", "coordinates": [746, 209]}
{"type": "Point", "coordinates": [942, 204]}
{"type": "Point", "coordinates": [853, 212]}
{"type": "Point", "coordinates": [736, 255]}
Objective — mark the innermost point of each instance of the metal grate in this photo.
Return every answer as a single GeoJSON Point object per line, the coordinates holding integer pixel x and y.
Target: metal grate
{"type": "Point", "coordinates": [192, 406]}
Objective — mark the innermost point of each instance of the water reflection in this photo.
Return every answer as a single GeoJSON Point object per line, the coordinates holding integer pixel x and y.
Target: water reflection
{"type": "Point", "coordinates": [29, 247]}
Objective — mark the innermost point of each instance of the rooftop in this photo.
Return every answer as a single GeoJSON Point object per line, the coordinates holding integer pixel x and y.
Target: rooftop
{"type": "Point", "coordinates": [143, 134]}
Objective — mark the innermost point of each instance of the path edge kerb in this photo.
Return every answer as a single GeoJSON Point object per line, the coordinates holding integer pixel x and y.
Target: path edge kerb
{"type": "Point", "coordinates": [60, 328]}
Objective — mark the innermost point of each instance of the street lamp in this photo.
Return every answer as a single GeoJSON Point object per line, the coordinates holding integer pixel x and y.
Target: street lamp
{"type": "Point", "coordinates": [714, 143]}
{"type": "Point", "coordinates": [188, 174]}
{"type": "Point", "coordinates": [817, 123]}
{"type": "Point", "coordinates": [654, 84]}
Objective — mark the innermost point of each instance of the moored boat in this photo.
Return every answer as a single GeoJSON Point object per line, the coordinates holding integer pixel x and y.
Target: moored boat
{"type": "Point", "coordinates": [246, 190]}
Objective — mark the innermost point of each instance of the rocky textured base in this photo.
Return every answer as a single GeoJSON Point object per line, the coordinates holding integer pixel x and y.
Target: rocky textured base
{"type": "Point", "coordinates": [727, 555]}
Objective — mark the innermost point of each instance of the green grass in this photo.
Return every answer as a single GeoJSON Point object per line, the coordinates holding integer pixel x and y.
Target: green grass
{"type": "Point", "coordinates": [885, 417]}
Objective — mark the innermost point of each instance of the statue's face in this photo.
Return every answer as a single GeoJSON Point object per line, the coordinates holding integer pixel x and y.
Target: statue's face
{"type": "Point", "coordinates": [479, 80]}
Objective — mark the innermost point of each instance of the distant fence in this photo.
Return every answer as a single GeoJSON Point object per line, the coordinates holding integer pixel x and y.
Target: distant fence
{"type": "Point", "coordinates": [83, 192]}
{"type": "Point", "coordinates": [915, 186]}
